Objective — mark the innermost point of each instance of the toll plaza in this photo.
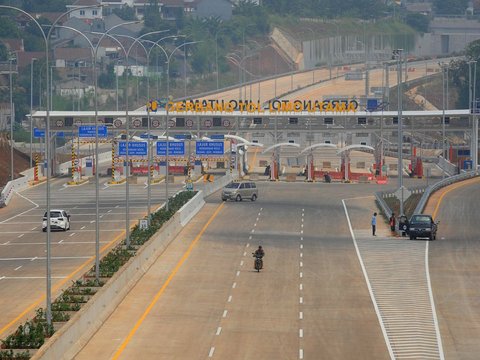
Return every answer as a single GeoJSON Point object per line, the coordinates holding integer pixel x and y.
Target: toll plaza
{"type": "Point", "coordinates": [312, 143]}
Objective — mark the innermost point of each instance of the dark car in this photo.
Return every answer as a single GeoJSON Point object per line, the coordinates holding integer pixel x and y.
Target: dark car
{"type": "Point", "coordinates": [422, 226]}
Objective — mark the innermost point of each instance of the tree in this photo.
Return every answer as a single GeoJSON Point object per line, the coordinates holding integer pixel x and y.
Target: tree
{"type": "Point", "coordinates": [107, 79]}
{"type": "Point", "coordinates": [419, 22]}
{"type": "Point", "coordinates": [450, 7]}
{"type": "Point", "coordinates": [125, 13]}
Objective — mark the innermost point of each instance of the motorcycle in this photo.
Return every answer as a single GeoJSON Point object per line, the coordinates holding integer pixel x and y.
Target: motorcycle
{"type": "Point", "coordinates": [258, 263]}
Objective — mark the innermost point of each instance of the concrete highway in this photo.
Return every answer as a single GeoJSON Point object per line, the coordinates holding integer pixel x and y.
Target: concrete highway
{"type": "Point", "coordinates": [22, 242]}
{"type": "Point", "coordinates": [310, 301]}
{"type": "Point", "coordinates": [455, 269]}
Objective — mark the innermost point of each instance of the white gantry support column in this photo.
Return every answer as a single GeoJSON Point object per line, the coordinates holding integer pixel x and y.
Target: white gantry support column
{"type": "Point", "coordinates": [310, 164]}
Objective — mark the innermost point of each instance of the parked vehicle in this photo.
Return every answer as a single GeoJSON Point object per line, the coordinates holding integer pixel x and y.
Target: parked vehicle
{"type": "Point", "coordinates": [59, 220]}
{"type": "Point", "coordinates": [422, 226]}
{"type": "Point", "coordinates": [239, 190]}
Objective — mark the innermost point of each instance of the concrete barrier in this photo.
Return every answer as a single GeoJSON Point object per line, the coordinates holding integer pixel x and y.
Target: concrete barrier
{"type": "Point", "coordinates": [189, 210]}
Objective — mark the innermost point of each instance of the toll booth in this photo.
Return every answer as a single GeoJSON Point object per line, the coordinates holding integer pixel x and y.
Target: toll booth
{"type": "Point", "coordinates": [89, 167]}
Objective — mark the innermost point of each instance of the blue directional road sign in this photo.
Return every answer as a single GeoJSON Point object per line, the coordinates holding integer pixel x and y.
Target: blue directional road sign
{"type": "Point", "coordinates": [40, 133]}
{"type": "Point", "coordinates": [174, 148]}
{"type": "Point", "coordinates": [210, 148]}
{"type": "Point", "coordinates": [89, 131]}
{"type": "Point", "coordinates": [135, 148]}
{"type": "Point", "coordinates": [217, 137]}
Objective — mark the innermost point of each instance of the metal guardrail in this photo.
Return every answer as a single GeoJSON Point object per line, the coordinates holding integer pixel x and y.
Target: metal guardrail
{"type": "Point", "coordinates": [381, 195]}
{"type": "Point", "coordinates": [432, 188]}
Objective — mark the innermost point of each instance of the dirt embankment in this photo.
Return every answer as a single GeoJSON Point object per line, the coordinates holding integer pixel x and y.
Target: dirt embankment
{"type": "Point", "coordinates": [21, 161]}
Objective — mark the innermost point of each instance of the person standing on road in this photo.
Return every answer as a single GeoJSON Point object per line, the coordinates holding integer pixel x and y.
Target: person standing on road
{"type": "Point", "coordinates": [374, 223]}
{"type": "Point", "coordinates": [392, 222]}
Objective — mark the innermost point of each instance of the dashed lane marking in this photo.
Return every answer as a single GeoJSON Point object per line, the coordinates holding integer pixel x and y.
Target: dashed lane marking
{"type": "Point", "coordinates": [157, 296]}
{"type": "Point", "coordinates": [210, 353]}
{"type": "Point", "coordinates": [72, 234]}
{"type": "Point", "coordinates": [224, 315]}
{"type": "Point", "coordinates": [18, 268]}
{"type": "Point", "coordinates": [219, 330]}
{"type": "Point", "coordinates": [229, 298]}
{"type": "Point", "coordinates": [21, 235]}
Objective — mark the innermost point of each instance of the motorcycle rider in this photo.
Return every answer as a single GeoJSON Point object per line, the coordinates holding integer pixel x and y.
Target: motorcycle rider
{"type": "Point", "coordinates": [259, 254]}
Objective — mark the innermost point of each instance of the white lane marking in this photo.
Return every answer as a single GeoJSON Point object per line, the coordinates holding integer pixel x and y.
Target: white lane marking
{"type": "Point", "coordinates": [301, 246]}
{"type": "Point", "coordinates": [300, 315]}
{"type": "Point", "coordinates": [229, 298]}
{"type": "Point", "coordinates": [303, 210]}
{"type": "Point", "coordinates": [253, 230]}
{"type": "Point", "coordinates": [43, 258]}
{"type": "Point", "coordinates": [63, 188]}
{"type": "Point", "coordinates": [301, 287]}
{"type": "Point", "coordinates": [257, 219]}
{"type": "Point", "coordinates": [248, 244]}
{"type": "Point", "coordinates": [83, 227]}
{"type": "Point", "coordinates": [212, 350]}
{"type": "Point", "coordinates": [250, 238]}
{"type": "Point", "coordinates": [241, 263]}
{"type": "Point", "coordinates": [91, 222]}
{"type": "Point", "coordinates": [109, 211]}
{"type": "Point", "coordinates": [13, 217]}
{"type": "Point", "coordinates": [30, 277]}
{"type": "Point", "coordinates": [301, 263]}
{"type": "Point", "coordinates": [17, 268]}
{"type": "Point", "coordinates": [244, 253]}
{"type": "Point", "coordinates": [34, 228]}
{"type": "Point", "coordinates": [238, 273]}
{"type": "Point", "coordinates": [116, 207]}
{"type": "Point", "coordinates": [6, 243]}
{"type": "Point", "coordinates": [300, 333]}
{"type": "Point", "coordinates": [301, 274]}
{"type": "Point", "coordinates": [61, 241]}
{"type": "Point", "coordinates": [2, 277]}
{"type": "Point", "coordinates": [254, 225]}
{"type": "Point", "coordinates": [72, 234]}
{"type": "Point", "coordinates": [219, 330]}
{"type": "Point", "coordinates": [234, 285]}
{"type": "Point", "coordinates": [21, 235]}
{"type": "Point", "coordinates": [301, 232]}
{"type": "Point", "coordinates": [301, 300]}
{"type": "Point", "coordinates": [302, 219]}
{"type": "Point", "coordinates": [300, 354]}
{"type": "Point", "coordinates": [301, 238]}
{"type": "Point", "coordinates": [302, 226]}
{"type": "Point", "coordinates": [258, 215]}
{"type": "Point", "coordinates": [369, 286]}
{"type": "Point", "coordinates": [224, 315]}
{"type": "Point", "coordinates": [301, 254]}
{"type": "Point", "coordinates": [261, 209]}
{"type": "Point", "coordinates": [434, 313]}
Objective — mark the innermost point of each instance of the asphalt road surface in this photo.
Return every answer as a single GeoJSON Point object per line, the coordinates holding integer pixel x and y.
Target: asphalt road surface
{"type": "Point", "coordinates": [22, 242]}
{"type": "Point", "coordinates": [455, 269]}
{"type": "Point", "coordinates": [310, 301]}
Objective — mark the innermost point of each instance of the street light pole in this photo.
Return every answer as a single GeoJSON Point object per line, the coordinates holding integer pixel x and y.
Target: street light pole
{"type": "Point", "coordinates": [31, 110]}
{"type": "Point", "coordinates": [444, 67]}
{"type": "Point", "coordinates": [12, 120]}
{"type": "Point", "coordinates": [397, 53]}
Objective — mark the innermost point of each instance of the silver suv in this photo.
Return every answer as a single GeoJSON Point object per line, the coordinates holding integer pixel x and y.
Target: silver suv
{"type": "Point", "coordinates": [240, 190]}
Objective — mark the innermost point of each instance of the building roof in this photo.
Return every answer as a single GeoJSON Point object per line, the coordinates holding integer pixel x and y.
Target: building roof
{"type": "Point", "coordinates": [50, 16]}
{"type": "Point", "coordinates": [25, 58]}
{"type": "Point", "coordinates": [72, 84]}
{"type": "Point", "coordinates": [85, 3]}
{"type": "Point", "coordinates": [72, 53]}
{"type": "Point", "coordinates": [13, 44]}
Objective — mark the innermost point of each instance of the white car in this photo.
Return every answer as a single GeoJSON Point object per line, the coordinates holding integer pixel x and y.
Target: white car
{"type": "Point", "coordinates": [59, 219]}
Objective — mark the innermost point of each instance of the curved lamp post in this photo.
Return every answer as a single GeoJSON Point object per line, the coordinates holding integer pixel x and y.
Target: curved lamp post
{"type": "Point", "coordinates": [46, 38]}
